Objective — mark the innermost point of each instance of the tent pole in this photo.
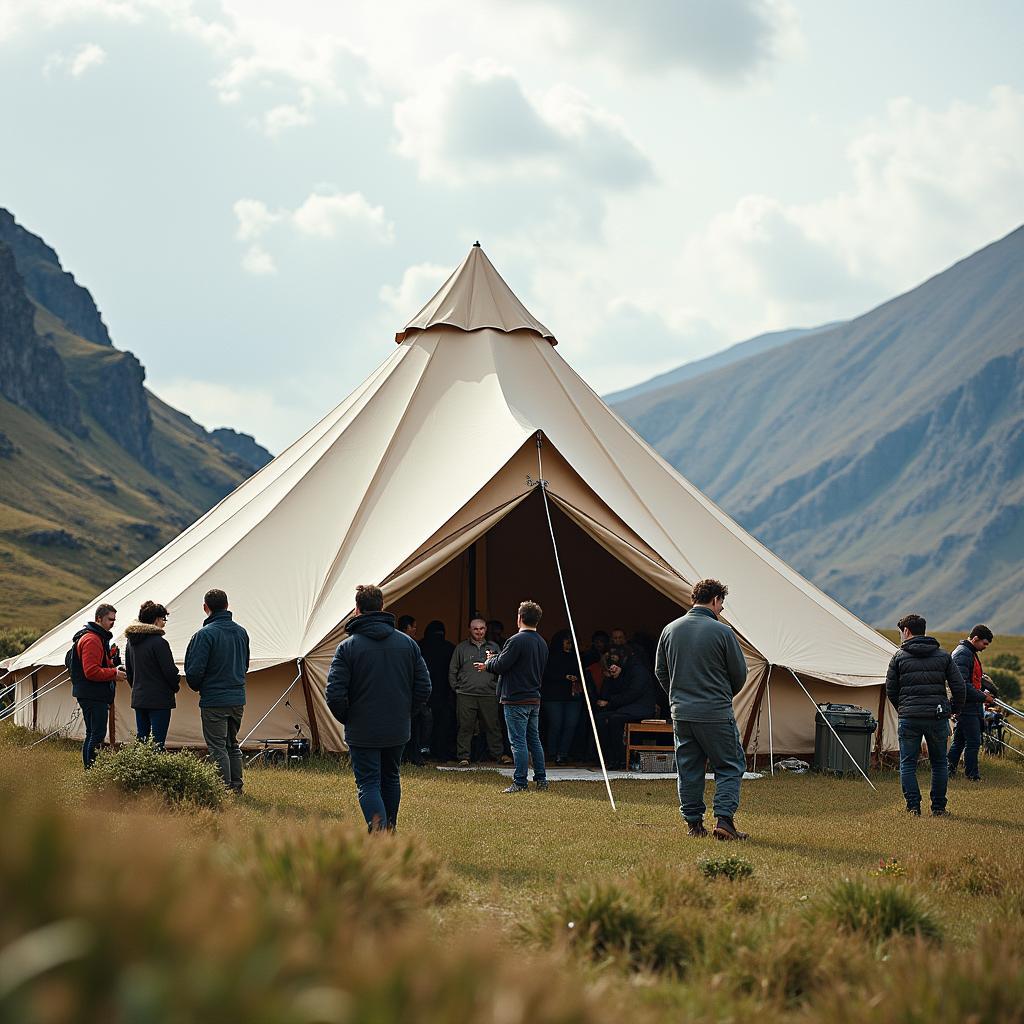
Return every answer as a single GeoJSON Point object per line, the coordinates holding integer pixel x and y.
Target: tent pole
{"type": "Point", "coordinates": [471, 573]}
{"type": "Point", "coordinates": [771, 743]}
{"type": "Point", "coordinates": [834, 733]}
{"type": "Point", "coordinates": [543, 485]}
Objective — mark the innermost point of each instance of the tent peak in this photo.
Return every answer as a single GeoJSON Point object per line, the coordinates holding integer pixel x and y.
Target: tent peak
{"type": "Point", "coordinates": [475, 296]}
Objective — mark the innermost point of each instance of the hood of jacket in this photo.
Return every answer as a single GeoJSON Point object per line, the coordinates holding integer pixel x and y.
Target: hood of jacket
{"type": "Point", "coordinates": [372, 625]}
{"type": "Point", "coordinates": [137, 630]}
{"type": "Point", "coordinates": [920, 646]}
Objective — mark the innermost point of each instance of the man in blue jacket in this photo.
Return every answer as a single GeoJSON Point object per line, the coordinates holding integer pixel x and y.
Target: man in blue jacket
{"type": "Point", "coordinates": [520, 670]}
{"type": "Point", "coordinates": [377, 680]}
{"type": "Point", "coordinates": [216, 662]}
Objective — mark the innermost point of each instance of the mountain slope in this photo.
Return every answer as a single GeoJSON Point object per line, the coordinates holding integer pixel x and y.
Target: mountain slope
{"type": "Point", "coordinates": [96, 473]}
{"type": "Point", "coordinates": [732, 354]}
{"type": "Point", "coordinates": [883, 458]}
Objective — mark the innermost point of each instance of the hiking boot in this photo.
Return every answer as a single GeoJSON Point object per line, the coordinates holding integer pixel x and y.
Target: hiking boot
{"type": "Point", "coordinates": [726, 830]}
{"type": "Point", "coordinates": [505, 759]}
{"type": "Point", "coordinates": [696, 829]}
{"type": "Point", "coordinates": [916, 811]}
{"type": "Point", "coordinates": [543, 784]}
{"type": "Point", "coordinates": [940, 813]}
{"type": "Point", "coordinates": [514, 789]}
{"type": "Point", "coordinates": [464, 763]}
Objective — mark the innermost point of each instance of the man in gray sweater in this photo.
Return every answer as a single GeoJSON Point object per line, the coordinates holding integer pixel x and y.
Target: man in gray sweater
{"type": "Point", "coordinates": [476, 696]}
{"type": "Point", "coordinates": [701, 667]}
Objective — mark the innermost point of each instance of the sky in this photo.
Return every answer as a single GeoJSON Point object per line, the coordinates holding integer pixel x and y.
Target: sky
{"type": "Point", "coordinates": [260, 193]}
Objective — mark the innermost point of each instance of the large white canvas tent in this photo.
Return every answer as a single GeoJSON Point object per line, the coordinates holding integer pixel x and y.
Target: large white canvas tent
{"type": "Point", "coordinates": [424, 480]}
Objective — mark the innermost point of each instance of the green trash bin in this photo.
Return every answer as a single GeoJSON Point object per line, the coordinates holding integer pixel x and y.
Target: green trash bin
{"type": "Point", "coordinates": [855, 726]}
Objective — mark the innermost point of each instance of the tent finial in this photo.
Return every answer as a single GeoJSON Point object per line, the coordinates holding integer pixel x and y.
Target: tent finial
{"type": "Point", "coordinates": [476, 244]}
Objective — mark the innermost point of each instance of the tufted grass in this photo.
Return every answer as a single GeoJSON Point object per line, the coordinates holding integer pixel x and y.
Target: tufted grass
{"type": "Point", "coordinates": [516, 869]}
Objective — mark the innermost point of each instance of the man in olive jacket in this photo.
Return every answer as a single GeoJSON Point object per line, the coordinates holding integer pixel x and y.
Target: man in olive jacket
{"type": "Point", "coordinates": [216, 662]}
{"type": "Point", "coordinates": [377, 680]}
{"type": "Point", "coordinates": [701, 667]}
{"type": "Point", "coordinates": [916, 683]}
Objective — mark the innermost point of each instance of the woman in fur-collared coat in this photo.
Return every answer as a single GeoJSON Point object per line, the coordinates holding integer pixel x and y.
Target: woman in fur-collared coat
{"type": "Point", "coordinates": [152, 673]}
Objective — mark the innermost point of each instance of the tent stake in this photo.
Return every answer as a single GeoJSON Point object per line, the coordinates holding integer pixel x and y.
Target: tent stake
{"type": "Point", "coordinates": [834, 733]}
{"type": "Point", "coordinates": [543, 485]}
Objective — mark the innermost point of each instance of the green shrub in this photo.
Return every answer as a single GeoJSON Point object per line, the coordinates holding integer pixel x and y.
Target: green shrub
{"type": "Point", "coordinates": [879, 911]}
{"type": "Point", "coordinates": [731, 867]}
{"type": "Point", "coordinates": [180, 778]}
{"type": "Point", "coordinates": [1008, 683]}
{"type": "Point", "coordinates": [605, 921]}
{"type": "Point", "coordinates": [1006, 660]}
{"type": "Point", "coordinates": [14, 641]}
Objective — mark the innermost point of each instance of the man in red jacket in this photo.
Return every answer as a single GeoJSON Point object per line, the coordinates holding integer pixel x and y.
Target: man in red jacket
{"type": "Point", "coordinates": [95, 668]}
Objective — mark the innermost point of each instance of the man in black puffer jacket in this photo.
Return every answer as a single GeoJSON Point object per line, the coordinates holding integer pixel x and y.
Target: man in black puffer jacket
{"type": "Point", "coordinates": [378, 678]}
{"type": "Point", "coordinates": [916, 684]}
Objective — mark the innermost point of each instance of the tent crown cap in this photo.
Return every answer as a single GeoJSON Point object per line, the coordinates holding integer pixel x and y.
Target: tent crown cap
{"type": "Point", "coordinates": [475, 296]}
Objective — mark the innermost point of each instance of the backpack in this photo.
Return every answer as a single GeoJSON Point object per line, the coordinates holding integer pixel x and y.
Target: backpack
{"type": "Point", "coordinates": [72, 661]}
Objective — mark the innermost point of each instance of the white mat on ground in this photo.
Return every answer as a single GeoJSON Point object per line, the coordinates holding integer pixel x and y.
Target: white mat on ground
{"type": "Point", "coordinates": [580, 774]}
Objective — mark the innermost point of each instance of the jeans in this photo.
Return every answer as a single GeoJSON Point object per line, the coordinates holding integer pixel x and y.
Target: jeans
{"type": "Point", "coordinates": [697, 744]}
{"type": "Point", "coordinates": [935, 732]}
{"type": "Point", "coordinates": [378, 784]}
{"type": "Point", "coordinates": [523, 721]}
{"type": "Point", "coordinates": [153, 722]}
{"type": "Point", "coordinates": [966, 741]}
{"type": "Point", "coordinates": [220, 730]}
{"type": "Point", "coordinates": [94, 715]}
{"type": "Point", "coordinates": [563, 718]}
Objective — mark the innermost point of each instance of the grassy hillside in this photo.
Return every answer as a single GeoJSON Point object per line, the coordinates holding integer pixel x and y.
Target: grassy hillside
{"type": "Point", "coordinates": [77, 513]}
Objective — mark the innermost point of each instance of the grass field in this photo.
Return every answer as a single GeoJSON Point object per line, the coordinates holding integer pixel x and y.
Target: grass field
{"type": "Point", "coordinates": [516, 867]}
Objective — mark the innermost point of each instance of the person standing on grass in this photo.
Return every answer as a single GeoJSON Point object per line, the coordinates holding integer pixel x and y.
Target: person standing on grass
{"type": "Point", "coordinates": [377, 681]}
{"type": "Point", "coordinates": [421, 719]}
{"type": "Point", "coordinates": [152, 673]}
{"type": "Point", "coordinates": [216, 662]}
{"type": "Point", "coordinates": [476, 697]}
{"type": "Point", "coordinates": [967, 733]}
{"type": "Point", "coordinates": [701, 667]}
{"type": "Point", "coordinates": [520, 670]}
{"type": "Point", "coordinates": [916, 684]}
{"type": "Point", "coordinates": [95, 667]}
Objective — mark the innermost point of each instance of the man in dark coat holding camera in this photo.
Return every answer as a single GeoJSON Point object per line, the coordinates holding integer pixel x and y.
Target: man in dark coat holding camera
{"type": "Point", "coordinates": [916, 683]}
{"type": "Point", "coordinates": [378, 678]}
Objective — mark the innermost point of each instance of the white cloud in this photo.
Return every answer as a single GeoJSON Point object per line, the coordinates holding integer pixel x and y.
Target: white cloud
{"type": "Point", "coordinates": [328, 215]}
{"type": "Point", "coordinates": [419, 282]}
{"type": "Point", "coordinates": [477, 123]}
{"type": "Point", "coordinates": [322, 215]}
{"type": "Point", "coordinates": [928, 187]}
{"type": "Point", "coordinates": [84, 59]}
{"type": "Point", "coordinates": [724, 40]}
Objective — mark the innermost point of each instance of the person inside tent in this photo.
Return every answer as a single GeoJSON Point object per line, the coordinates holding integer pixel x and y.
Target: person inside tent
{"type": "Point", "coordinates": [151, 672]}
{"type": "Point", "coordinates": [437, 652]}
{"type": "Point", "coordinates": [627, 696]}
{"type": "Point", "coordinates": [561, 696]}
{"type": "Point", "coordinates": [95, 667]}
{"type": "Point", "coordinates": [420, 735]}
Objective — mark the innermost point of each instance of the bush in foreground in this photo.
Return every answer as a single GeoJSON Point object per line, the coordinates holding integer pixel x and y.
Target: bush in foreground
{"type": "Point", "coordinates": [141, 768]}
{"type": "Point", "coordinates": [878, 911]}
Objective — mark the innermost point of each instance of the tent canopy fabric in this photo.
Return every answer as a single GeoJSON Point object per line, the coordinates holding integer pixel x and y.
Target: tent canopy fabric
{"type": "Point", "coordinates": [432, 452]}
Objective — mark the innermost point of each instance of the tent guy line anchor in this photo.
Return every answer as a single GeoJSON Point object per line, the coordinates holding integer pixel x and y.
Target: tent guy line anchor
{"type": "Point", "coordinates": [543, 485]}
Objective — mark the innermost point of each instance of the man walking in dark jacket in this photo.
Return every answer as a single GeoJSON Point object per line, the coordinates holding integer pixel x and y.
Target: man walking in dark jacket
{"type": "Point", "coordinates": [216, 662]}
{"type": "Point", "coordinates": [520, 670]}
{"type": "Point", "coordinates": [377, 680]}
{"type": "Point", "coordinates": [701, 667]}
{"type": "Point", "coordinates": [916, 684]}
{"type": "Point", "coordinates": [95, 668]}
{"type": "Point", "coordinates": [967, 733]}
